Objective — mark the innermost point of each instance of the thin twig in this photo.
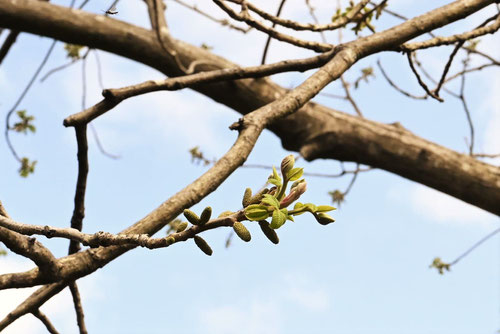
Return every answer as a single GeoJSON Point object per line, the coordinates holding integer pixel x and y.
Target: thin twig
{"type": "Point", "coordinates": [21, 97]}
{"type": "Point", "coordinates": [268, 41]}
{"type": "Point", "coordinates": [77, 302]}
{"type": "Point", "coordinates": [340, 22]}
{"type": "Point", "coordinates": [244, 16]}
{"type": "Point", "coordinates": [396, 87]}
{"type": "Point", "coordinates": [477, 244]}
{"type": "Point", "coordinates": [466, 108]}
{"type": "Point", "coordinates": [223, 22]}
{"type": "Point", "coordinates": [419, 79]}
{"type": "Point", "coordinates": [447, 67]}
{"type": "Point", "coordinates": [45, 320]}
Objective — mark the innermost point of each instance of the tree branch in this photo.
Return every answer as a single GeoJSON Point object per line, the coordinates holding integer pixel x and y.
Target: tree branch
{"type": "Point", "coordinates": [245, 95]}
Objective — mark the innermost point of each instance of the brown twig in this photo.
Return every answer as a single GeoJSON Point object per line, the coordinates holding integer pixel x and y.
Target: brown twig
{"type": "Point", "coordinates": [244, 16]}
{"type": "Point", "coordinates": [45, 320]}
{"type": "Point", "coordinates": [338, 23]}
{"type": "Point", "coordinates": [268, 41]}
{"type": "Point", "coordinates": [439, 41]}
{"type": "Point", "coordinates": [223, 22]}
{"type": "Point", "coordinates": [419, 79]}
{"type": "Point", "coordinates": [396, 87]}
{"type": "Point", "coordinates": [77, 302]}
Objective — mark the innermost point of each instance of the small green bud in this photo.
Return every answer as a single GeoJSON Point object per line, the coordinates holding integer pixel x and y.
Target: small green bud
{"type": "Point", "coordinates": [242, 232]}
{"type": "Point", "coordinates": [192, 217]}
{"type": "Point", "coordinates": [205, 215]}
{"type": "Point", "coordinates": [203, 245]}
{"type": "Point", "coordinates": [287, 164]}
{"type": "Point", "coordinates": [181, 227]}
{"type": "Point", "coordinates": [225, 214]}
{"type": "Point", "coordinates": [258, 196]}
{"type": "Point", "coordinates": [170, 240]}
{"type": "Point", "coordinates": [247, 197]}
{"type": "Point", "coordinates": [323, 218]}
{"type": "Point", "coordinates": [269, 232]}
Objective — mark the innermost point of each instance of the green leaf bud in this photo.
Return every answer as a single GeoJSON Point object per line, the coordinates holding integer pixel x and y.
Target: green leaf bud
{"type": "Point", "coordinates": [325, 208]}
{"type": "Point", "coordinates": [287, 164]}
{"type": "Point", "coordinates": [256, 212]}
{"type": "Point", "coordinates": [192, 217]}
{"type": "Point", "coordinates": [269, 232]}
{"type": "Point", "coordinates": [242, 232]}
{"type": "Point", "coordinates": [271, 200]}
{"type": "Point", "coordinates": [203, 245]}
{"type": "Point", "coordinates": [170, 240]}
{"type": "Point", "coordinates": [225, 214]}
{"type": "Point", "coordinates": [247, 197]}
{"type": "Point", "coordinates": [205, 215]}
{"type": "Point", "coordinates": [323, 218]}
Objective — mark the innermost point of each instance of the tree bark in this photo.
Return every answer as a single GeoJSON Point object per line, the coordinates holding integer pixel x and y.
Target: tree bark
{"type": "Point", "coordinates": [315, 131]}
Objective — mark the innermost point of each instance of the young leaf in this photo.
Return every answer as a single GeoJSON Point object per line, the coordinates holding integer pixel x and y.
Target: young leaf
{"type": "Point", "coordinates": [256, 212]}
{"type": "Point", "coordinates": [295, 174]}
{"type": "Point", "coordinates": [271, 200]}
{"type": "Point", "coordinates": [325, 208]}
{"type": "Point", "coordinates": [279, 218]}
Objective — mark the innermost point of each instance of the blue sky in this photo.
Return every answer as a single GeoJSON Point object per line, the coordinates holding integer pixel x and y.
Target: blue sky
{"type": "Point", "coordinates": [368, 272]}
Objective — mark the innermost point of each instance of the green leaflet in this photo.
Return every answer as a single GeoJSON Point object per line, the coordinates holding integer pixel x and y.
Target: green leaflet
{"type": "Point", "coordinates": [278, 219]}
{"type": "Point", "coordinates": [295, 174]}
{"type": "Point", "coordinates": [325, 208]}
{"type": "Point", "coordinates": [271, 200]}
{"type": "Point", "coordinates": [256, 212]}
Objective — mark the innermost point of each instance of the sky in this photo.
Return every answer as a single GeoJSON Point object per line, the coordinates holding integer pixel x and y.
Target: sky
{"type": "Point", "coordinates": [367, 272]}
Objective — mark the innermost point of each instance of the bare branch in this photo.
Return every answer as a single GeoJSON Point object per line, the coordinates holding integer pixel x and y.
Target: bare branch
{"type": "Point", "coordinates": [419, 79]}
{"type": "Point", "coordinates": [29, 248]}
{"type": "Point", "coordinates": [223, 22]}
{"type": "Point", "coordinates": [340, 22]}
{"type": "Point", "coordinates": [32, 303]}
{"type": "Point", "coordinates": [268, 41]}
{"type": "Point", "coordinates": [399, 89]}
{"type": "Point", "coordinates": [244, 16]}
{"type": "Point", "coordinates": [114, 96]}
{"type": "Point", "coordinates": [78, 307]}
{"type": "Point", "coordinates": [439, 41]}
{"type": "Point", "coordinates": [45, 320]}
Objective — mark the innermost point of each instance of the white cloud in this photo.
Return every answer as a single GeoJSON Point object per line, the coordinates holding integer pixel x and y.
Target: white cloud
{"type": "Point", "coordinates": [258, 317]}
{"type": "Point", "coordinates": [436, 206]}
{"type": "Point", "coordinates": [306, 293]}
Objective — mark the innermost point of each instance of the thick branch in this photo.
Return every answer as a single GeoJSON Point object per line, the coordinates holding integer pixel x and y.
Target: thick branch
{"type": "Point", "coordinates": [246, 95]}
